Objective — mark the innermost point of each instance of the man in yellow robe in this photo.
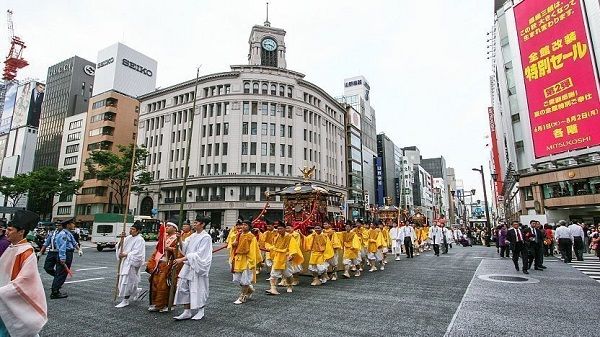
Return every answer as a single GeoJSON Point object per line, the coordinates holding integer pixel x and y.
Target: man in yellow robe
{"type": "Point", "coordinates": [363, 235]}
{"type": "Point", "coordinates": [265, 238]}
{"type": "Point", "coordinates": [246, 256]}
{"type": "Point", "coordinates": [336, 243]}
{"type": "Point", "coordinates": [352, 245]}
{"type": "Point", "coordinates": [285, 254]}
{"type": "Point", "coordinates": [319, 246]}
{"type": "Point", "coordinates": [299, 238]}
{"type": "Point", "coordinates": [385, 232]}
{"type": "Point", "coordinates": [374, 247]}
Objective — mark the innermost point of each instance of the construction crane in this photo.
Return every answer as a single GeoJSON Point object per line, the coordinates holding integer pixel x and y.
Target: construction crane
{"type": "Point", "coordinates": [14, 61]}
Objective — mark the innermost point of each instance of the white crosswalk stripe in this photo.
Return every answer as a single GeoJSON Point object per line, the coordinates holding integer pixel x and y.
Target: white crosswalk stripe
{"type": "Point", "coordinates": [590, 266]}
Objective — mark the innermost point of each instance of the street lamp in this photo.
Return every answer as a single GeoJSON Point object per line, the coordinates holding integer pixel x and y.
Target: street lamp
{"type": "Point", "coordinates": [487, 211]}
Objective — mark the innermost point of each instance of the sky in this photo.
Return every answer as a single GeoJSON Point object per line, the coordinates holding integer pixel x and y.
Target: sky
{"type": "Point", "coordinates": [425, 60]}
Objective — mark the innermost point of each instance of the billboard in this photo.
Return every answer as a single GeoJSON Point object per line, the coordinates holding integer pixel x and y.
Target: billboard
{"type": "Point", "coordinates": [28, 106]}
{"type": "Point", "coordinates": [9, 104]}
{"type": "Point", "coordinates": [562, 91]}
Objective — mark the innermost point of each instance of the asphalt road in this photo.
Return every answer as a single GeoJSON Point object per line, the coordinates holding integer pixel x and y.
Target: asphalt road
{"type": "Point", "coordinates": [412, 297]}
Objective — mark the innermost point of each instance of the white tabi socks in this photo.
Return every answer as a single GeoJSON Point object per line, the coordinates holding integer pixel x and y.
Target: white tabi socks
{"type": "Point", "coordinates": [187, 314]}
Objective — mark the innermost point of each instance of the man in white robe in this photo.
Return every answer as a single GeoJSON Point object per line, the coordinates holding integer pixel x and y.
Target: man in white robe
{"type": "Point", "coordinates": [132, 256]}
{"type": "Point", "coordinates": [397, 240]}
{"type": "Point", "coordinates": [192, 286]}
{"type": "Point", "coordinates": [437, 234]}
{"type": "Point", "coordinates": [23, 310]}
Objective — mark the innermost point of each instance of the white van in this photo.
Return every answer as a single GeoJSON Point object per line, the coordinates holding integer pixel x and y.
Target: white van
{"type": "Point", "coordinates": [107, 229]}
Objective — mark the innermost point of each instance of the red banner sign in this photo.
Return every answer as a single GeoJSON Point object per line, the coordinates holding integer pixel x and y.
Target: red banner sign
{"type": "Point", "coordinates": [562, 91]}
{"type": "Point", "coordinates": [495, 153]}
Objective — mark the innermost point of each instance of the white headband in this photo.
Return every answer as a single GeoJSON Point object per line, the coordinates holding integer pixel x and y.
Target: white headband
{"type": "Point", "coordinates": [172, 224]}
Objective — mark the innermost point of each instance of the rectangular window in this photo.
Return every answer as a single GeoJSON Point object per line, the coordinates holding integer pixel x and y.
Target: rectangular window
{"type": "Point", "coordinates": [70, 160]}
{"type": "Point", "coordinates": [72, 148]}
{"type": "Point", "coordinates": [263, 149]}
{"type": "Point", "coordinates": [281, 130]}
{"type": "Point", "coordinates": [209, 150]}
{"type": "Point", "coordinates": [253, 128]}
{"type": "Point", "coordinates": [265, 109]}
{"type": "Point", "coordinates": [225, 148]}
{"type": "Point", "coordinates": [252, 168]}
{"type": "Point", "coordinates": [253, 148]}
{"type": "Point", "coordinates": [225, 129]}
{"type": "Point", "coordinates": [272, 169]}
{"type": "Point", "coordinates": [244, 148]}
{"type": "Point", "coordinates": [290, 131]}
{"type": "Point", "coordinates": [75, 124]}
{"type": "Point", "coordinates": [210, 130]}
{"type": "Point", "coordinates": [289, 151]}
{"type": "Point", "coordinates": [290, 111]}
{"type": "Point", "coordinates": [73, 136]}
{"type": "Point", "coordinates": [282, 150]}
{"type": "Point", "coordinates": [272, 149]}
{"type": "Point", "coordinates": [289, 170]}
{"type": "Point", "coordinates": [201, 151]}
{"type": "Point", "coordinates": [263, 168]}
{"type": "Point", "coordinates": [224, 168]}
{"type": "Point", "coordinates": [254, 108]}
{"type": "Point", "coordinates": [217, 148]}
{"type": "Point", "coordinates": [244, 128]}
{"type": "Point", "coordinates": [273, 109]}
{"type": "Point", "coordinates": [218, 129]}
{"type": "Point", "coordinates": [244, 168]}
{"type": "Point", "coordinates": [263, 130]}
{"type": "Point", "coordinates": [272, 129]}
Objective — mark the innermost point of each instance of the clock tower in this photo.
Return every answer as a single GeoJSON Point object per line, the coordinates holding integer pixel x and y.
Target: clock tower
{"type": "Point", "coordinates": [267, 46]}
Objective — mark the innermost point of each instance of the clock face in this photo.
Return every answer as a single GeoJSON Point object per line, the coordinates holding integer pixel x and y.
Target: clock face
{"type": "Point", "coordinates": [269, 44]}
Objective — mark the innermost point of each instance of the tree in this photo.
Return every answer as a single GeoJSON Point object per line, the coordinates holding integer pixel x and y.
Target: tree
{"type": "Point", "coordinates": [115, 168]}
{"type": "Point", "coordinates": [14, 189]}
{"type": "Point", "coordinates": [47, 183]}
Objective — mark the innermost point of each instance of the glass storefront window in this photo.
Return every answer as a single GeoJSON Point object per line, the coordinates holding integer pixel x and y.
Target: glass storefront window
{"type": "Point", "coordinates": [572, 188]}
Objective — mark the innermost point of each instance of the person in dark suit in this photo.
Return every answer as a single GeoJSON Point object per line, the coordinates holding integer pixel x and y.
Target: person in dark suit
{"type": "Point", "coordinates": [517, 240]}
{"type": "Point", "coordinates": [35, 105]}
{"type": "Point", "coordinates": [535, 241]}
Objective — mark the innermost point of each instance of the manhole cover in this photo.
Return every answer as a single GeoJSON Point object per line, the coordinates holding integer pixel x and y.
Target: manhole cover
{"type": "Point", "coordinates": [507, 278]}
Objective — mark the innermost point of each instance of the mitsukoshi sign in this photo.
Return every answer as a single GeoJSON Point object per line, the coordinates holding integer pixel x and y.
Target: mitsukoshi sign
{"type": "Point", "coordinates": [562, 90]}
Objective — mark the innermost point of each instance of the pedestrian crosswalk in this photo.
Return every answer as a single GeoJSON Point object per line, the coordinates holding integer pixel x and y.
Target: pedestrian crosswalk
{"type": "Point", "coordinates": [590, 266]}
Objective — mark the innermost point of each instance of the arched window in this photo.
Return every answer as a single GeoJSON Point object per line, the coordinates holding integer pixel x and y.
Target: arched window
{"type": "Point", "coordinates": [273, 89]}
{"type": "Point", "coordinates": [282, 90]}
{"type": "Point", "coordinates": [255, 88]}
{"type": "Point", "coordinates": [246, 87]}
{"type": "Point", "coordinates": [265, 88]}
{"type": "Point", "coordinates": [146, 206]}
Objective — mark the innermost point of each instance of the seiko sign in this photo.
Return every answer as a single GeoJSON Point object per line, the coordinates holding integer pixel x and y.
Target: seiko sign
{"type": "Point", "coordinates": [137, 67]}
{"type": "Point", "coordinates": [105, 63]}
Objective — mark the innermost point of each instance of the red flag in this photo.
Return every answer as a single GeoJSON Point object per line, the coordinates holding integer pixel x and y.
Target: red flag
{"type": "Point", "coordinates": [160, 246]}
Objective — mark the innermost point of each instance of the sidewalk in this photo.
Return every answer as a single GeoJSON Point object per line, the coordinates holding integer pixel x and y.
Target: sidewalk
{"type": "Point", "coordinates": [554, 302]}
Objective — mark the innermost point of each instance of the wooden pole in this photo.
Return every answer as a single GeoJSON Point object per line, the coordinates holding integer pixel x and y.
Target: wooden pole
{"type": "Point", "coordinates": [125, 214]}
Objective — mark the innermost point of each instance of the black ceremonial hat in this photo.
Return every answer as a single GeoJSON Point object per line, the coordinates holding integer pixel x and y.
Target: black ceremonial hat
{"type": "Point", "coordinates": [24, 219]}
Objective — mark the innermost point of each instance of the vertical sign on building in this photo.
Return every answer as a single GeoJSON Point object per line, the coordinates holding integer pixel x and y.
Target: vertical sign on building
{"type": "Point", "coordinates": [495, 153]}
{"type": "Point", "coordinates": [562, 91]}
{"type": "Point", "coordinates": [379, 179]}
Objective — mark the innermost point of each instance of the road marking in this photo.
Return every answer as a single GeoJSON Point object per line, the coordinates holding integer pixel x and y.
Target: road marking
{"type": "Point", "coordinates": [94, 268]}
{"type": "Point", "coordinates": [451, 325]}
{"type": "Point", "coordinates": [89, 279]}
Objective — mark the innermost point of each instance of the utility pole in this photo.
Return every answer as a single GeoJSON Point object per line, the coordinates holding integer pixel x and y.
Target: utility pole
{"type": "Point", "coordinates": [487, 211]}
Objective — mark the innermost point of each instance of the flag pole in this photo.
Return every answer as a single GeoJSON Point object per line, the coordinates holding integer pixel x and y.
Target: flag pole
{"type": "Point", "coordinates": [125, 214]}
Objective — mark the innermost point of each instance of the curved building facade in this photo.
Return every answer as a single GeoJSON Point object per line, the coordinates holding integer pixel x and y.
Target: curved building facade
{"type": "Point", "coordinates": [254, 128]}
